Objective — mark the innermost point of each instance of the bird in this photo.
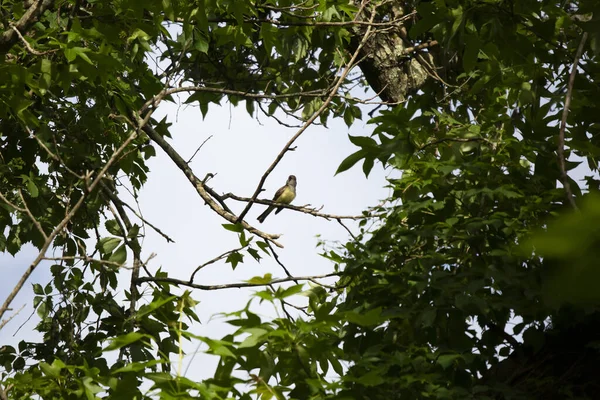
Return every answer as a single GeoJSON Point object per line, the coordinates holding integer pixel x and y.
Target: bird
{"type": "Point", "coordinates": [284, 195]}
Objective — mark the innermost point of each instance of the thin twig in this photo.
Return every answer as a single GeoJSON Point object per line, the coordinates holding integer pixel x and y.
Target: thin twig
{"type": "Point", "coordinates": [233, 285]}
{"type": "Point", "coordinates": [214, 260]}
{"type": "Point", "coordinates": [198, 149]}
{"type": "Point", "coordinates": [563, 124]}
{"type": "Point", "coordinates": [259, 96]}
{"type": "Point", "coordinates": [6, 321]}
{"type": "Point", "coordinates": [87, 260]}
{"type": "Point", "coordinates": [339, 220]}
{"type": "Point", "coordinates": [421, 46]}
{"type": "Point", "coordinates": [133, 244]}
{"type": "Point", "coordinates": [9, 203]}
{"type": "Point", "coordinates": [145, 221]}
{"type": "Point", "coordinates": [55, 157]}
{"type": "Point", "coordinates": [28, 46]}
{"type": "Point", "coordinates": [276, 257]}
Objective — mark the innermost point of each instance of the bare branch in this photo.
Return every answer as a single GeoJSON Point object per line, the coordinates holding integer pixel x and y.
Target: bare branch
{"type": "Point", "coordinates": [87, 260]}
{"type": "Point", "coordinates": [3, 395]}
{"type": "Point", "coordinates": [339, 220]}
{"type": "Point", "coordinates": [198, 149]}
{"type": "Point", "coordinates": [421, 46]}
{"type": "Point", "coordinates": [304, 209]}
{"type": "Point", "coordinates": [28, 46]}
{"type": "Point", "coordinates": [563, 124]}
{"type": "Point", "coordinates": [10, 37]}
{"type": "Point", "coordinates": [315, 115]}
{"type": "Point", "coordinates": [233, 285]}
{"type": "Point", "coordinates": [145, 221]}
{"type": "Point", "coordinates": [214, 260]}
{"type": "Point", "coordinates": [276, 256]}
{"type": "Point", "coordinates": [6, 321]}
{"type": "Point", "coordinates": [258, 96]}
{"type": "Point", "coordinates": [202, 190]}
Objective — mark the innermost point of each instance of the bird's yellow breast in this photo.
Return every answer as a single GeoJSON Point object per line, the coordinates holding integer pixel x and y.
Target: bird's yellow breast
{"type": "Point", "coordinates": [287, 196]}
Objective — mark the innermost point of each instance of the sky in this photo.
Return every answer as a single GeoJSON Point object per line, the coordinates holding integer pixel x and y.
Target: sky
{"type": "Point", "coordinates": [238, 151]}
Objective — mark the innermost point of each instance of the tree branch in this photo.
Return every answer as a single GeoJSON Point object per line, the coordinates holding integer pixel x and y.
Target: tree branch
{"type": "Point", "coordinates": [563, 124]}
{"type": "Point", "coordinates": [302, 209]}
{"type": "Point", "coordinates": [214, 260]}
{"type": "Point", "coordinates": [201, 189]}
{"type": "Point", "coordinates": [145, 221]}
{"type": "Point", "coordinates": [28, 46]}
{"type": "Point", "coordinates": [10, 37]}
{"type": "Point", "coordinates": [6, 321]}
{"type": "Point", "coordinates": [233, 285]}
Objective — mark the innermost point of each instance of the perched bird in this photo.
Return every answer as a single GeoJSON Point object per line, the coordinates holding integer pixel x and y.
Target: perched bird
{"type": "Point", "coordinates": [284, 195]}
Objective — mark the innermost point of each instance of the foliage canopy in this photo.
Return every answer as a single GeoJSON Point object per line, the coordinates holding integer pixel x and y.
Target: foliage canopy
{"type": "Point", "coordinates": [478, 280]}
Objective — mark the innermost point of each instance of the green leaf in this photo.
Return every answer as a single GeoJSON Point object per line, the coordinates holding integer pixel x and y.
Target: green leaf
{"type": "Point", "coordinates": [292, 290]}
{"type": "Point", "coordinates": [32, 188]}
{"type": "Point", "coordinates": [261, 280]}
{"type": "Point", "coordinates": [257, 335]}
{"type": "Point", "coordinates": [368, 166]}
{"type": "Point", "coordinates": [268, 35]}
{"type": "Point", "coordinates": [53, 371]}
{"type": "Point", "coordinates": [43, 310]}
{"type": "Point", "coordinates": [219, 347]}
{"type": "Point", "coordinates": [201, 44]}
{"type": "Point", "coordinates": [472, 46]}
{"type": "Point", "coordinates": [234, 227]}
{"type": "Point", "coordinates": [350, 161]}
{"type": "Point", "coordinates": [38, 289]}
{"type": "Point", "coordinates": [363, 141]}
{"type": "Point", "coordinates": [234, 259]}
{"type": "Point", "coordinates": [371, 378]}
{"type": "Point", "coordinates": [154, 305]}
{"type": "Point", "coordinates": [107, 245]}
{"type": "Point", "coordinates": [119, 256]}
{"type": "Point", "coordinates": [447, 360]}
{"type": "Point", "coordinates": [370, 318]}
{"type": "Point", "coordinates": [126, 340]}
{"type": "Point", "coordinates": [263, 246]}
{"type": "Point", "coordinates": [113, 227]}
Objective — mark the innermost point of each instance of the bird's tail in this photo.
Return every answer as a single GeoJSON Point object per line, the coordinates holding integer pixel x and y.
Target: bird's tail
{"type": "Point", "coordinates": [265, 214]}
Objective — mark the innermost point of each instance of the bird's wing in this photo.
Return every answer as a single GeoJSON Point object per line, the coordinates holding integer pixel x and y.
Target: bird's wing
{"type": "Point", "coordinates": [278, 193]}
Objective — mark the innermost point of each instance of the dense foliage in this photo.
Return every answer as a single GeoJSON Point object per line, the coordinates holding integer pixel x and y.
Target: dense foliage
{"type": "Point", "coordinates": [479, 278]}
